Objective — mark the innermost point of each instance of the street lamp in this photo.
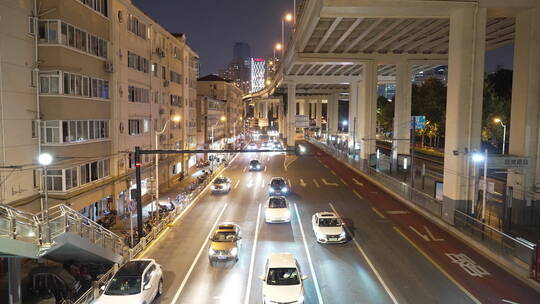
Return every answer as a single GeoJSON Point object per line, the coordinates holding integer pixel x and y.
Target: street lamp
{"type": "Point", "coordinates": [44, 160]}
{"type": "Point", "coordinates": [277, 47]}
{"type": "Point", "coordinates": [175, 119]}
{"type": "Point", "coordinates": [479, 158]}
{"type": "Point", "coordinates": [498, 120]}
{"type": "Point", "coordinates": [288, 17]}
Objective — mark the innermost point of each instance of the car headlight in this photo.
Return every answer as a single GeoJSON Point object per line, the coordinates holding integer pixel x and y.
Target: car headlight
{"type": "Point", "coordinates": [211, 251]}
{"type": "Point", "coordinates": [301, 299]}
{"type": "Point", "coordinates": [271, 189]}
{"type": "Point", "coordinates": [285, 189]}
{"type": "Point", "coordinates": [342, 235]}
{"type": "Point", "coordinates": [287, 214]}
{"type": "Point", "coordinates": [234, 251]}
{"type": "Point", "coordinates": [213, 187]}
{"type": "Point", "coordinates": [258, 166]}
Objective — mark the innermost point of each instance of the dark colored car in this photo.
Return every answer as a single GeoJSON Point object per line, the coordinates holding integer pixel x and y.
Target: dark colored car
{"type": "Point", "coordinates": [255, 165]}
{"type": "Point", "coordinates": [54, 281]}
{"type": "Point", "coordinates": [279, 186]}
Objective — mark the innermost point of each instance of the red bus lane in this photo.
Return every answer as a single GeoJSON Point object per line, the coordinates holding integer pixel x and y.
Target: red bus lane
{"type": "Point", "coordinates": [471, 271]}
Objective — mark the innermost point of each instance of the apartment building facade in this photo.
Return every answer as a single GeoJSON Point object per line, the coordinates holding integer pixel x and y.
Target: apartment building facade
{"type": "Point", "coordinates": [109, 78]}
{"type": "Point", "coordinates": [213, 87]}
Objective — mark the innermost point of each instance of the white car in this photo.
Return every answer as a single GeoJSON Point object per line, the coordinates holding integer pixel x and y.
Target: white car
{"type": "Point", "coordinates": [251, 147]}
{"type": "Point", "coordinates": [283, 280]}
{"type": "Point", "coordinates": [221, 185]}
{"type": "Point", "coordinates": [277, 210]}
{"type": "Point", "coordinates": [328, 228]}
{"type": "Point", "coordinates": [138, 281]}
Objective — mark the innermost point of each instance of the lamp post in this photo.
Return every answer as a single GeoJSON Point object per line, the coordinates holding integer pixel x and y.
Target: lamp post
{"type": "Point", "coordinates": [277, 47]}
{"type": "Point", "coordinates": [44, 160]}
{"type": "Point", "coordinates": [158, 133]}
{"type": "Point", "coordinates": [479, 158]}
{"type": "Point", "coordinates": [498, 120]}
{"type": "Point", "coordinates": [288, 17]}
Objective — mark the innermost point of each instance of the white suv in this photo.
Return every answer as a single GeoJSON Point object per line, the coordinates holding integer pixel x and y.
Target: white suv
{"type": "Point", "coordinates": [138, 281]}
{"type": "Point", "coordinates": [283, 280]}
{"type": "Point", "coordinates": [328, 228]}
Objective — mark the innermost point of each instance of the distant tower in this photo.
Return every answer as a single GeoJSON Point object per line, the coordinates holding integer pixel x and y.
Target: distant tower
{"type": "Point", "coordinates": [241, 51]}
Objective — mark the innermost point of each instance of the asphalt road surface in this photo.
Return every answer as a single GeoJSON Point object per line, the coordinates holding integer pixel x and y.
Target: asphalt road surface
{"type": "Point", "coordinates": [385, 260]}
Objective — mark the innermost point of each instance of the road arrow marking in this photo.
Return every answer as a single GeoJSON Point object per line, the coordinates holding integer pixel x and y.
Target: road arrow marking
{"type": "Point", "coordinates": [425, 237]}
{"type": "Point", "coordinates": [357, 182]}
{"type": "Point", "coordinates": [344, 182]}
{"type": "Point", "coordinates": [302, 183]}
{"type": "Point", "coordinates": [431, 235]}
{"type": "Point", "coordinates": [397, 212]}
{"type": "Point", "coordinates": [316, 183]}
{"type": "Point", "coordinates": [329, 184]}
{"type": "Point", "coordinates": [236, 185]}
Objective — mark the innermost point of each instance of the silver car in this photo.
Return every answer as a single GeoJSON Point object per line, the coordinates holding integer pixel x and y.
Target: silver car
{"type": "Point", "coordinates": [221, 185]}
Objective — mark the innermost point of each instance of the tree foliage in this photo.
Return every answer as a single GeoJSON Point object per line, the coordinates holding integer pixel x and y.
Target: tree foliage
{"type": "Point", "coordinates": [497, 104]}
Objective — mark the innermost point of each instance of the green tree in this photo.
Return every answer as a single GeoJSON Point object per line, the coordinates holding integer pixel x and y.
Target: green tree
{"type": "Point", "coordinates": [497, 104]}
{"type": "Point", "coordinates": [385, 113]}
{"type": "Point", "coordinates": [429, 99]}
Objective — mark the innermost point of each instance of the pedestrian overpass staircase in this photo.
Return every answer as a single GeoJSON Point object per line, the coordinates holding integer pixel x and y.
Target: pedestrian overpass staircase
{"type": "Point", "coordinates": [58, 233]}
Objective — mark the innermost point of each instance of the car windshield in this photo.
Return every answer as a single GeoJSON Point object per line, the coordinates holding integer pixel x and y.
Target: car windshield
{"type": "Point", "coordinates": [277, 183]}
{"type": "Point", "coordinates": [220, 180]}
{"type": "Point", "coordinates": [224, 236]}
{"type": "Point", "coordinates": [329, 222]}
{"type": "Point", "coordinates": [277, 202]}
{"type": "Point", "coordinates": [254, 162]}
{"type": "Point", "coordinates": [283, 276]}
{"type": "Point", "coordinates": [124, 285]}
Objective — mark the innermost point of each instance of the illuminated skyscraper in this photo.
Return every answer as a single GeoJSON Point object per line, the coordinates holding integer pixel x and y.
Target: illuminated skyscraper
{"type": "Point", "coordinates": [258, 72]}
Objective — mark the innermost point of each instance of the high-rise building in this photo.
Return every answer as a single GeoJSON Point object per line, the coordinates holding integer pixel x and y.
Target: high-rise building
{"type": "Point", "coordinates": [101, 81]}
{"type": "Point", "coordinates": [241, 51]}
{"type": "Point", "coordinates": [258, 73]}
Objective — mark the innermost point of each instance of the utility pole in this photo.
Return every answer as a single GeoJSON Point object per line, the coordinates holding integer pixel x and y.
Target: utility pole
{"type": "Point", "coordinates": [138, 191]}
{"type": "Point", "coordinates": [413, 145]}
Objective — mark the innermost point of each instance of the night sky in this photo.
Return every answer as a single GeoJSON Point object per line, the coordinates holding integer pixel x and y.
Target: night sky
{"type": "Point", "coordinates": [212, 27]}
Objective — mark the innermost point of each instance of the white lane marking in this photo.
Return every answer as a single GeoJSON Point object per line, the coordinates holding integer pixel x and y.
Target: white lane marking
{"type": "Point", "coordinates": [328, 184]}
{"type": "Point", "coordinates": [509, 302]}
{"type": "Point", "coordinates": [425, 237]}
{"type": "Point", "coordinates": [390, 294]}
{"type": "Point", "coordinates": [343, 181]}
{"type": "Point", "coordinates": [236, 185]}
{"type": "Point", "coordinates": [378, 212]}
{"type": "Point", "coordinates": [397, 212]}
{"type": "Point", "coordinates": [357, 194]}
{"type": "Point", "coordinates": [245, 168]}
{"type": "Point", "coordinates": [302, 183]}
{"type": "Point", "coordinates": [467, 264]}
{"type": "Point", "coordinates": [186, 278]}
{"type": "Point", "coordinates": [315, 281]}
{"type": "Point", "coordinates": [250, 183]}
{"type": "Point", "coordinates": [265, 168]}
{"type": "Point", "coordinates": [252, 262]}
{"type": "Point", "coordinates": [316, 183]}
{"type": "Point", "coordinates": [373, 192]}
{"type": "Point", "coordinates": [357, 182]}
{"type": "Point", "coordinates": [290, 184]}
{"type": "Point", "coordinates": [333, 172]}
{"type": "Point", "coordinates": [431, 235]}
{"type": "Point", "coordinates": [262, 184]}
{"type": "Point", "coordinates": [325, 166]}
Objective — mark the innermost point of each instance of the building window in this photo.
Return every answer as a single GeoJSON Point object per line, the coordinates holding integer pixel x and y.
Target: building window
{"type": "Point", "coordinates": [73, 131]}
{"type": "Point", "coordinates": [49, 83]}
{"type": "Point", "coordinates": [31, 25]}
{"type": "Point", "coordinates": [176, 101]}
{"type": "Point", "coordinates": [73, 84]}
{"type": "Point", "coordinates": [94, 171]}
{"type": "Point", "coordinates": [137, 62]}
{"type": "Point", "coordinates": [48, 31]}
{"type": "Point", "coordinates": [71, 178]}
{"type": "Point", "coordinates": [164, 73]}
{"type": "Point", "coordinates": [136, 94]}
{"type": "Point", "coordinates": [35, 127]}
{"type": "Point", "coordinates": [54, 180]}
{"type": "Point", "coordinates": [136, 27]}
{"type": "Point", "coordinates": [50, 131]}
{"type": "Point", "coordinates": [79, 39]}
{"type": "Point", "coordinates": [175, 77]}
{"type": "Point", "coordinates": [155, 69]}
{"type": "Point", "coordinates": [100, 6]}
{"type": "Point", "coordinates": [138, 126]}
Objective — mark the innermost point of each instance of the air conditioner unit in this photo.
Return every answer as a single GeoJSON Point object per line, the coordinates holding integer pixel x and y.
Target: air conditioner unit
{"type": "Point", "coordinates": [166, 83]}
{"type": "Point", "coordinates": [109, 67]}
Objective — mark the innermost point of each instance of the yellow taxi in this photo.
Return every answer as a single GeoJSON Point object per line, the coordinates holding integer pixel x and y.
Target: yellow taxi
{"type": "Point", "coordinates": [225, 243]}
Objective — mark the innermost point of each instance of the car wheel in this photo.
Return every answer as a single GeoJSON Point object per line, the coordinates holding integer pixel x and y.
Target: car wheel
{"type": "Point", "coordinates": [160, 287]}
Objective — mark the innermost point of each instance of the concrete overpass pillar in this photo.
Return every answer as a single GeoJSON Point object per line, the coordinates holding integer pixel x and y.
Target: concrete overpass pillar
{"type": "Point", "coordinates": [291, 111]}
{"type": "Point", "coordinates": [281, 118]}
{"type": "Point", "coordinates": [333, 113]}
{"type": "Point", "coordinates": [402, 112]}
{"type": "Point", "coordinates": [352, 122]}
{"type": "Point", "coordinates": [318, 113]}
{"type": "Point", "coordinates": [265, 109]}
{"type": "Point", "coordinates": [525, 110]}
{"type": "Point", "coordinates": [367, 111]}
{"type": "Point", "coordinates": [464, 106]}
{"type": "Point", "coordinates": [256, 108]}
{"type": "Point", "coordinates": [14, 280]}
